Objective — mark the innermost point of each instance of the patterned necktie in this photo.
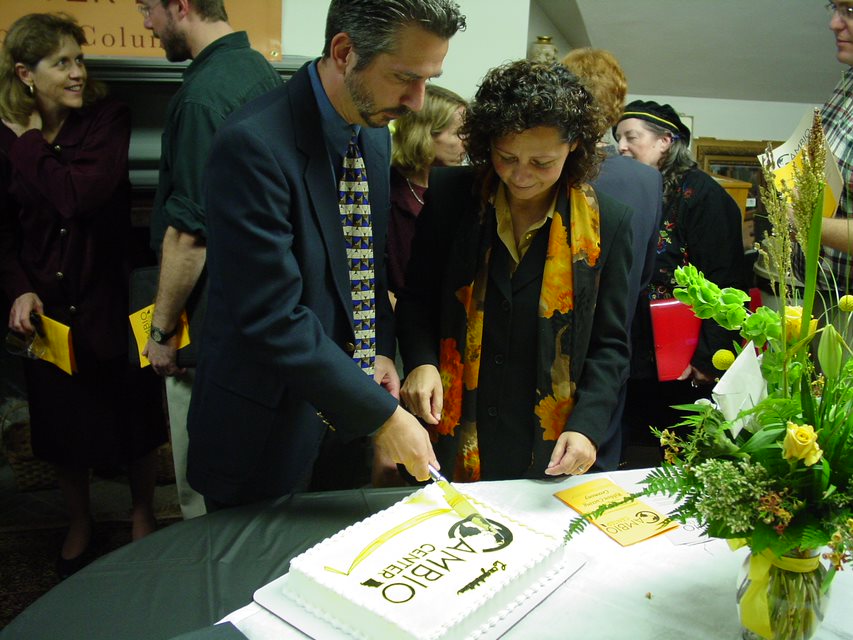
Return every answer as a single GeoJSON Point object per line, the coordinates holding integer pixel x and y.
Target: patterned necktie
{"type": "Point", "coordinates": [358, 234]}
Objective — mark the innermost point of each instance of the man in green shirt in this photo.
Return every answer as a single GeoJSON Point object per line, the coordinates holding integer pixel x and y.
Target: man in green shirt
{"type": "Point", "coordinates": [224, 74]}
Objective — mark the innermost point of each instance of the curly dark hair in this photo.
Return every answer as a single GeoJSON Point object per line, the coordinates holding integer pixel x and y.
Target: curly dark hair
{"type": "Point", "coordinates": [522, 95]}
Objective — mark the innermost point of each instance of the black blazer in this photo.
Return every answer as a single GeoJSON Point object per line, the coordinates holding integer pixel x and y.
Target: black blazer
{"type": "Point", "coordinates": [449, 227]}
{"type": "Point", "coordinates": [641, 188]}
{"type": "Point", "coordinates": [275, 371]}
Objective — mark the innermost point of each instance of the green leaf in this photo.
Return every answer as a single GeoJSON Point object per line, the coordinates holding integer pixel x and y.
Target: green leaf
{"type": "Point", "coordinates": [830, 352]}
{"type": "Point", "coordinates": [763, 536]}
{"type": "Point", "coordinates": [806, 401]}
{"type": "Point", "coordinates": [763, 439]}
{"type": "Point", "coordinates": [813, 537]}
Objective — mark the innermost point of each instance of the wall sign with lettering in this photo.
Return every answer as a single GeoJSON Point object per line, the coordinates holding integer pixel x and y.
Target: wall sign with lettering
{"type": "Point", "coordinates": [114, 27]}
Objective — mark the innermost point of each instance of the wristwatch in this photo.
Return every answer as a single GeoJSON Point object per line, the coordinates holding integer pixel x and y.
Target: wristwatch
{"type": "Point", "coordinates": [161, 337]}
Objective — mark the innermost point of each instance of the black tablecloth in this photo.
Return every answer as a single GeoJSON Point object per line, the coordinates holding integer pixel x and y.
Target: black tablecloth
{"type": "Point", "coordinates": [191, 574]}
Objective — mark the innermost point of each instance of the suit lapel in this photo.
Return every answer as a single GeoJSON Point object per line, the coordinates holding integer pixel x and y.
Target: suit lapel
{"type": "Point", "coordinates": [488, 237]}
{"type": "Point", "coordinates": [374, 147]}
{"type": "Point", "coordinates": [320, 182]}
{"type": "Point", "coordinates": [533, 262]}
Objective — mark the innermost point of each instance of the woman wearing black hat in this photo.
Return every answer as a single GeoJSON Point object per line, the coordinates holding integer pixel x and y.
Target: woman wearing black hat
{"type": "Point", "coordinates": [701, 225]}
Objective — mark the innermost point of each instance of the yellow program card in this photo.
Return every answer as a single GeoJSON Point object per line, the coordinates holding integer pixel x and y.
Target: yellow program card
{"type": "Point", "coordinates": [57, 346]}
{"type": "Point", "coordinates": [626, 524]}
{"type": "Point", "coordinates": [140, 323]}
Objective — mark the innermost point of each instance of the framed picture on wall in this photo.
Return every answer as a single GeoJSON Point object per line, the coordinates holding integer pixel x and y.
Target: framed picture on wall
{"type": "Point", "coordinates": [735, 159]}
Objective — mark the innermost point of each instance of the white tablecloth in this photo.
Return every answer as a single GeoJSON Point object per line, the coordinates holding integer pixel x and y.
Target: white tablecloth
{"type": "Point", "coordinates": [658, 589]}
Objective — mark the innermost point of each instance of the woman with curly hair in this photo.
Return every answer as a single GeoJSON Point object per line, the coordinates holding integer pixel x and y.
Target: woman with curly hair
{"type": "Point", "coordinates": [512, 320]}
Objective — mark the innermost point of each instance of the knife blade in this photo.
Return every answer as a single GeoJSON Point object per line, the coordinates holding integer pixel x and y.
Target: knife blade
{"type": "Point", "coordinates": [460, 503]}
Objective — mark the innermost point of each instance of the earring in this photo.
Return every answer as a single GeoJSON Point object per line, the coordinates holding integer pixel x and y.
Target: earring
{"type": "Point", "coordinates": [32, 89]}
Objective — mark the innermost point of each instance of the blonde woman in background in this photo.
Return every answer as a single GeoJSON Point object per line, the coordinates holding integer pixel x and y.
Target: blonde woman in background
{"type": "Point", "coordinates": [421, 140]}
{"type": "Point", "coordinates": [64, 247]}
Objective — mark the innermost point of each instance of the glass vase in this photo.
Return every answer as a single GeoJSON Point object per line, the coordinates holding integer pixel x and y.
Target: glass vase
{"type": "Point", "coordinates": [781, 598]}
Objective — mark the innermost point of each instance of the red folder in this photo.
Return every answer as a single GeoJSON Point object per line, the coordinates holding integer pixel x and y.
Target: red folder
{"type": "Point", "coordinates": [676, 334]}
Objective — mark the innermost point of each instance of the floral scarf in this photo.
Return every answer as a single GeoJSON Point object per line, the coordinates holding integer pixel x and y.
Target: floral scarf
{"type": "Point", "coordinates": [574, 235]}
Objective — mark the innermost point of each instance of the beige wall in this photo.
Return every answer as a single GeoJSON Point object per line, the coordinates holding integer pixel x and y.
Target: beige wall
{"type": "Point", "coordinates": [501, 30]}
{"type": "Point", "coordinates": [496, 33]}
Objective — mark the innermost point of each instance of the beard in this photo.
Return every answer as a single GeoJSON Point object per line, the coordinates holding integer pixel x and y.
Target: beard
{"type": "Point", "coordinates": [366, 105]}
{"type": "Point", "coordinates": [174, 44]}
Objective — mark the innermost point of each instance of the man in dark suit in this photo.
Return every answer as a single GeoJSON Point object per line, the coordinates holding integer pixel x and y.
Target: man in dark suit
{"type": "Point", "coordinates": [277, 369]}
{"type": "Point", "coordinates": [641, 188]}
{"type": "Point", "coordinates": [632, 183]}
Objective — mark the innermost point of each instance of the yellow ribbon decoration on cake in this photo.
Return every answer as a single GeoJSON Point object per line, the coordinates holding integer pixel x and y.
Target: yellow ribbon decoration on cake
{"type": "Point", "coordinates": [385, 537]}
{"type": "Point", "coordinates": [755, 609]}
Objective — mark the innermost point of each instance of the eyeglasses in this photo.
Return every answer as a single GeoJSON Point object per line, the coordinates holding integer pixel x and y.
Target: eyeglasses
{"type": "Point", "coordinates": [145, 10]}
{"type": "Point", "coordinates": [845, 12]}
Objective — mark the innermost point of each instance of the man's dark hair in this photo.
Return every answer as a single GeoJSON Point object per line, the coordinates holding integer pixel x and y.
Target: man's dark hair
{"type": "Point", "coordinates": [372, 25]}
{"type": "Point", "coordinates": [209, 10]}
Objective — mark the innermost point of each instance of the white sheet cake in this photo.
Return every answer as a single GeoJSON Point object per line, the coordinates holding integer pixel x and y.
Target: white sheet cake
{"type": "Point", "coordinates": [417, 570]}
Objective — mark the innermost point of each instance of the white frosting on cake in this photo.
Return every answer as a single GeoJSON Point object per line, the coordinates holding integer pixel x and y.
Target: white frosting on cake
{"type": "Point", "coordinates": [416, 570]}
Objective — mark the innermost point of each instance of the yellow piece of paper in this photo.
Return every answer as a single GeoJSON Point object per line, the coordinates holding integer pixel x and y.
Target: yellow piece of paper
{"type": "Point", "coordinates": [140, 323]}
{"type": "Point", "coordinates": [790, 154]}
{"type": "Point", "coordinates": [56, 346]}
{"type": "Point", "coordinates": [629, 523]}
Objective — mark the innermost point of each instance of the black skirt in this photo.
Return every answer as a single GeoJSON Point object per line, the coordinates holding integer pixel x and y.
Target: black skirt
{"type": "Point", "coordinates": [103, 417]}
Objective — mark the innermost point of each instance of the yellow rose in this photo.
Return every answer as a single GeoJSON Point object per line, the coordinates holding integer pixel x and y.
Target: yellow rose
{"type": "Point", "coordinates": [845, 303]}
{"type": "Point", "coordinates": [723, 359]}
{"type": "Point", "coordinates": [794, 323]}
{"type": "Point", "coordinates": [801, 444]}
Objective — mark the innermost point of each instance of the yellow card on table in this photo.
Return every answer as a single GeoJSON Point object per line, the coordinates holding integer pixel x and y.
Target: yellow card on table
{"type": "Point", "coordinates": [140, 323]}
{"type": "Point", "coordinates": [56, 343]}
{"type": "Point", "coordinates": [626, 524]}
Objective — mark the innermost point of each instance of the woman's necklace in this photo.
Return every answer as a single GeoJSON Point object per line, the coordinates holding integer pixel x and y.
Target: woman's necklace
{"type": "Point", "coordinates": [412, 189]}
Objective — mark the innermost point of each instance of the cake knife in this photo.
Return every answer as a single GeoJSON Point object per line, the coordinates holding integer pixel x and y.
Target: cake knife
{"type": "Point", "coordinates": [460, 503]}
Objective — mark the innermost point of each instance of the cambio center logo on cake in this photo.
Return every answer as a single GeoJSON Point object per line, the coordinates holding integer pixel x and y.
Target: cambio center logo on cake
{"type": "Point", "coordinates": [457, 559]}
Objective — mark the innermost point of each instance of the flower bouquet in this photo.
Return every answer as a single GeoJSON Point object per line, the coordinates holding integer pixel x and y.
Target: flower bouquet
{"type": "Point", "coordinates": [776, 476]}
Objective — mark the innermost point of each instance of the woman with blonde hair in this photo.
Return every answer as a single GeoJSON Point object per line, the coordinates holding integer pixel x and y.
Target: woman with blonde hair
{"type": "Point", "coordinates": [64, 236]}
{"type": "Point", "coordinates": [420, 141]}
